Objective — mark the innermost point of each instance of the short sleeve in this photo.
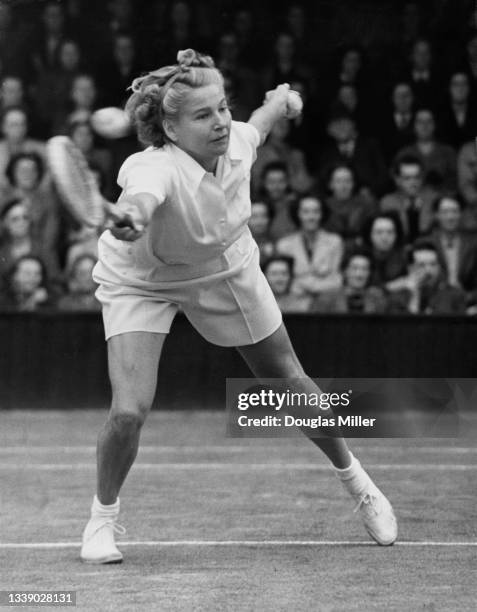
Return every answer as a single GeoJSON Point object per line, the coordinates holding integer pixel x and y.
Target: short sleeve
{"type": "Point", "coordinates": [251, 134]}
{"type": "Point", "coordinates": [245, 140]}
{"type": "Point", "coordinates": [144, 173]}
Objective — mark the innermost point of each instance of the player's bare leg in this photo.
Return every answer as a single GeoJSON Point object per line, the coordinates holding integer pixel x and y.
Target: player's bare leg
{"type": "Point", "coordinates": [133, 360]}
{"type": "Point", "coordinates": [274, 357]}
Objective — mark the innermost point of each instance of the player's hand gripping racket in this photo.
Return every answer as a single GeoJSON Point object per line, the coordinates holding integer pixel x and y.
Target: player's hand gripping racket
{"type": "Point", "coordinates": [79, 192]}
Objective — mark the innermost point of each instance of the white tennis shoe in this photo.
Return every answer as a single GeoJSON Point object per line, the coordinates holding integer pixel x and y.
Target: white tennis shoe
{"type": "Point", "coordinates": [375, 510]}
{"type": "Point", "coordinates": [377, 514]}
{"type": "Point", "coordinates": [98, 540]}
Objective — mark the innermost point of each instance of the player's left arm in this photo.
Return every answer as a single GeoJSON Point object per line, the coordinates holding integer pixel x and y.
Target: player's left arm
{"type": "Point", "coordinates": [274, 108]}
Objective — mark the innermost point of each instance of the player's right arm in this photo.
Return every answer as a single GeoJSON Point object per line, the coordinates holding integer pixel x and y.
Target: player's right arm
{"type": "Point", "coordinates": [136, 211]}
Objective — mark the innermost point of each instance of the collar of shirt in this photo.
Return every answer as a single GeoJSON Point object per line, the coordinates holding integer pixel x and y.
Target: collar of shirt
{"type": "Point", "coordinates": [195, 173]}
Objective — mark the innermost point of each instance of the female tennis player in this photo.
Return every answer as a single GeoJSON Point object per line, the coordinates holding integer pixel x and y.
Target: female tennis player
{"type": "Point", "coordinates": [184, 241]}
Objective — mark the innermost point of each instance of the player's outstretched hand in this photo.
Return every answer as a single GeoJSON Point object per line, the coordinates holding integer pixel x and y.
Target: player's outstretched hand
{"type": "Point", "coordinates": [278, 96]}
{"type": "Point", "coordinates": [124, 222]}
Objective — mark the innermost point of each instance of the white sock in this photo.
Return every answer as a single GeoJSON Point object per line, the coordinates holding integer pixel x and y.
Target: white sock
{"type": "Point", "coordinates": [99, 509]}
{"type": "Point", "coordinates": [354, 478]}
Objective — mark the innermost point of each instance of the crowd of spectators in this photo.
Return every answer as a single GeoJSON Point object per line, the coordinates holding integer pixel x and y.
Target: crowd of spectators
{"type": "Point", "coordinates": [366, 203]}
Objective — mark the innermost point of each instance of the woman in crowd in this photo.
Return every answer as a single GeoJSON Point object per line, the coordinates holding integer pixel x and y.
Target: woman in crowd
{"type": "Point", "coordinates": [80, 286]}
{"type": "Point", "coordinates": [284, 65]}
{"type": "Point", "coordinates": [348, 209]}
{"type": "Point", "coordinates": [53, 87]}
{"type": "Point", "coordinates": [383, 235]}
{"type": "Point", "coordinates": [17, 239]}
{"type": "Point", "coordinates": [316, 252]}
{"type": "Point", "coordinates": [278, 271]}
{"type": "Point", "coordinates": [276, 191]}
{"type": "Point", "coordinates": [81, 103]}
{"type": "Point", "coordinates": [25, 174]}
{"type": "Point", "coordinates": [357, 295]}
{"type": "Point", "coordinates": [15, 139]}
{"type": "Point", "coordinates": [26, 285]}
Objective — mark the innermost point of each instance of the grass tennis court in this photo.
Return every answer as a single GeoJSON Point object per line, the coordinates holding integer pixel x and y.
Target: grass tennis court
{"type": "Point", "coordinates": [215, 523]}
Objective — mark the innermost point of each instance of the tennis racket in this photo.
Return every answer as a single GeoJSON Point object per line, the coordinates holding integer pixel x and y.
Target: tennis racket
{"type": "Point", "coordinates": [77, 186]}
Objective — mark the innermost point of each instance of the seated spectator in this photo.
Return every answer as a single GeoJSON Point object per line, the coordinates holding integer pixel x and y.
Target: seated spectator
{"type": "Point", "coordinates": [249, 40]}
{"type": "Point", "coordinates": [180, 30]}
{"type": "Point", "coordinates": [279, 273]}
{"type": "Point", "coordinates": [81, 103]}
{"type": "Point", "coordinates": [50, 31]}
{"type": "Point", "coordinates": [284, 66]}
{"type": "Point", "coordinates": [12, 92]}
{"type": "Point", "coordinates": [248, 90]}
{"type": "Point", "coordinates": [316, 253]}
{"type": "Point", "coordinates": [14, 33]}
{"type": "Point", "coordinates": [14, 128]}
{"type": "Point", "coordinates": [467, 182]}
{"type": "Point", "coordinates": [53, 87]}
{"type": "Point", "coordinates": [456, 248]}
{"type": "Point", "coordinates": [299, 25]}
{"type": "Point", "coordinates": [346, 101]}
{"type": "Point", "coordinates": [347, 146]}
{"type": "Point", "coordinates": [348, 209]}
{"type": "Point", "coordinates": [81, 286]}
{"type": "Point", "coordinates": [259, 224]}
{"type": "Point", "coordinates": [396, 130]}
{"type": "Point", "coordinates": [276, 191]}
{"type": "Point", "coordinates": [412, 200]}
{"type": "Point", "coordinates": [25, 173]}
{"type": "Point", "coordinates": [277, 149]}
{"type": "Point", "coordinates": [120, 17]}
{"type": "Point", "coordinates": [17, 239]}
{"type": "Point", "coordinates": [426, 290]}
{"type": "Point", "coordinates": [422, 74]}
{"type": "Point", "coordinates": [458, 118]}
{"type": "Point", "coordinates": [383, 237]}
{"type": "Point", "coordinates": [438, 160]}
{"type": "Point", "coordinates": [81, 133]}
{"type": "Point", "coordinates": [356, 296]}
{"type": "Point", "coordinates": [349, 71]}
{"type": "Point", "coordinates": [119, 70]}
{"type": "Point", "coordinates": [26, 286]}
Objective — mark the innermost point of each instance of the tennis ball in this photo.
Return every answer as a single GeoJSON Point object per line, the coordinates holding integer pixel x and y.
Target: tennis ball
{"type": "Point", "coordinates": [294, 104]}
{"type": "Point", "coordinates": [111, 122]}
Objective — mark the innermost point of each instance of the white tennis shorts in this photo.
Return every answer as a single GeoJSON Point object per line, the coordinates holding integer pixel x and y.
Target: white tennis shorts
{"type": "Point", "coordinates": [227, 299]}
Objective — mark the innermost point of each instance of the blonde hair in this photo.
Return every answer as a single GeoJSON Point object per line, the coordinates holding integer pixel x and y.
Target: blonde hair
{"type": "Point", "coordinates": [159, 94]}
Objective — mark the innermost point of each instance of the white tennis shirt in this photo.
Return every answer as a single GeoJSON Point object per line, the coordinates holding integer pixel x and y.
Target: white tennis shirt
{"type": "Point", "coordinates": [199, 214]}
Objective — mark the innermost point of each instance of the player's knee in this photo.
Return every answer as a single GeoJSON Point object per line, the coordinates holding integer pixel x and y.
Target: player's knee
{"type": "Point", "coordinates": [124, 421]}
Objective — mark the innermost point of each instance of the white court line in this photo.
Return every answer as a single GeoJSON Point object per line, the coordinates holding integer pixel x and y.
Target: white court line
{"type": "Point", "coordinates": [232, 543]}
{"type": "Point", "coordinates": [239, 466]}
{"type": "Point", "coordinates": [243, 449]}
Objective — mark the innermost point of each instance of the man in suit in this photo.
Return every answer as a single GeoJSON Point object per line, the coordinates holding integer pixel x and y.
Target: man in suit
{"type": "Point", "coordinates": [427, 291]}
{"type": "Point", "coordinates": [457, 249]}
{"type": "Point", "coordinates": [457, 123]}
{"type": "Point", "coordinates": [422, 75]}
{"type": "Point", "coordinates": [362, 154]}
{"type": "Point", "coordinates": [397, 125]}
{"type": "Point", "coordinates": [412, 200]}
